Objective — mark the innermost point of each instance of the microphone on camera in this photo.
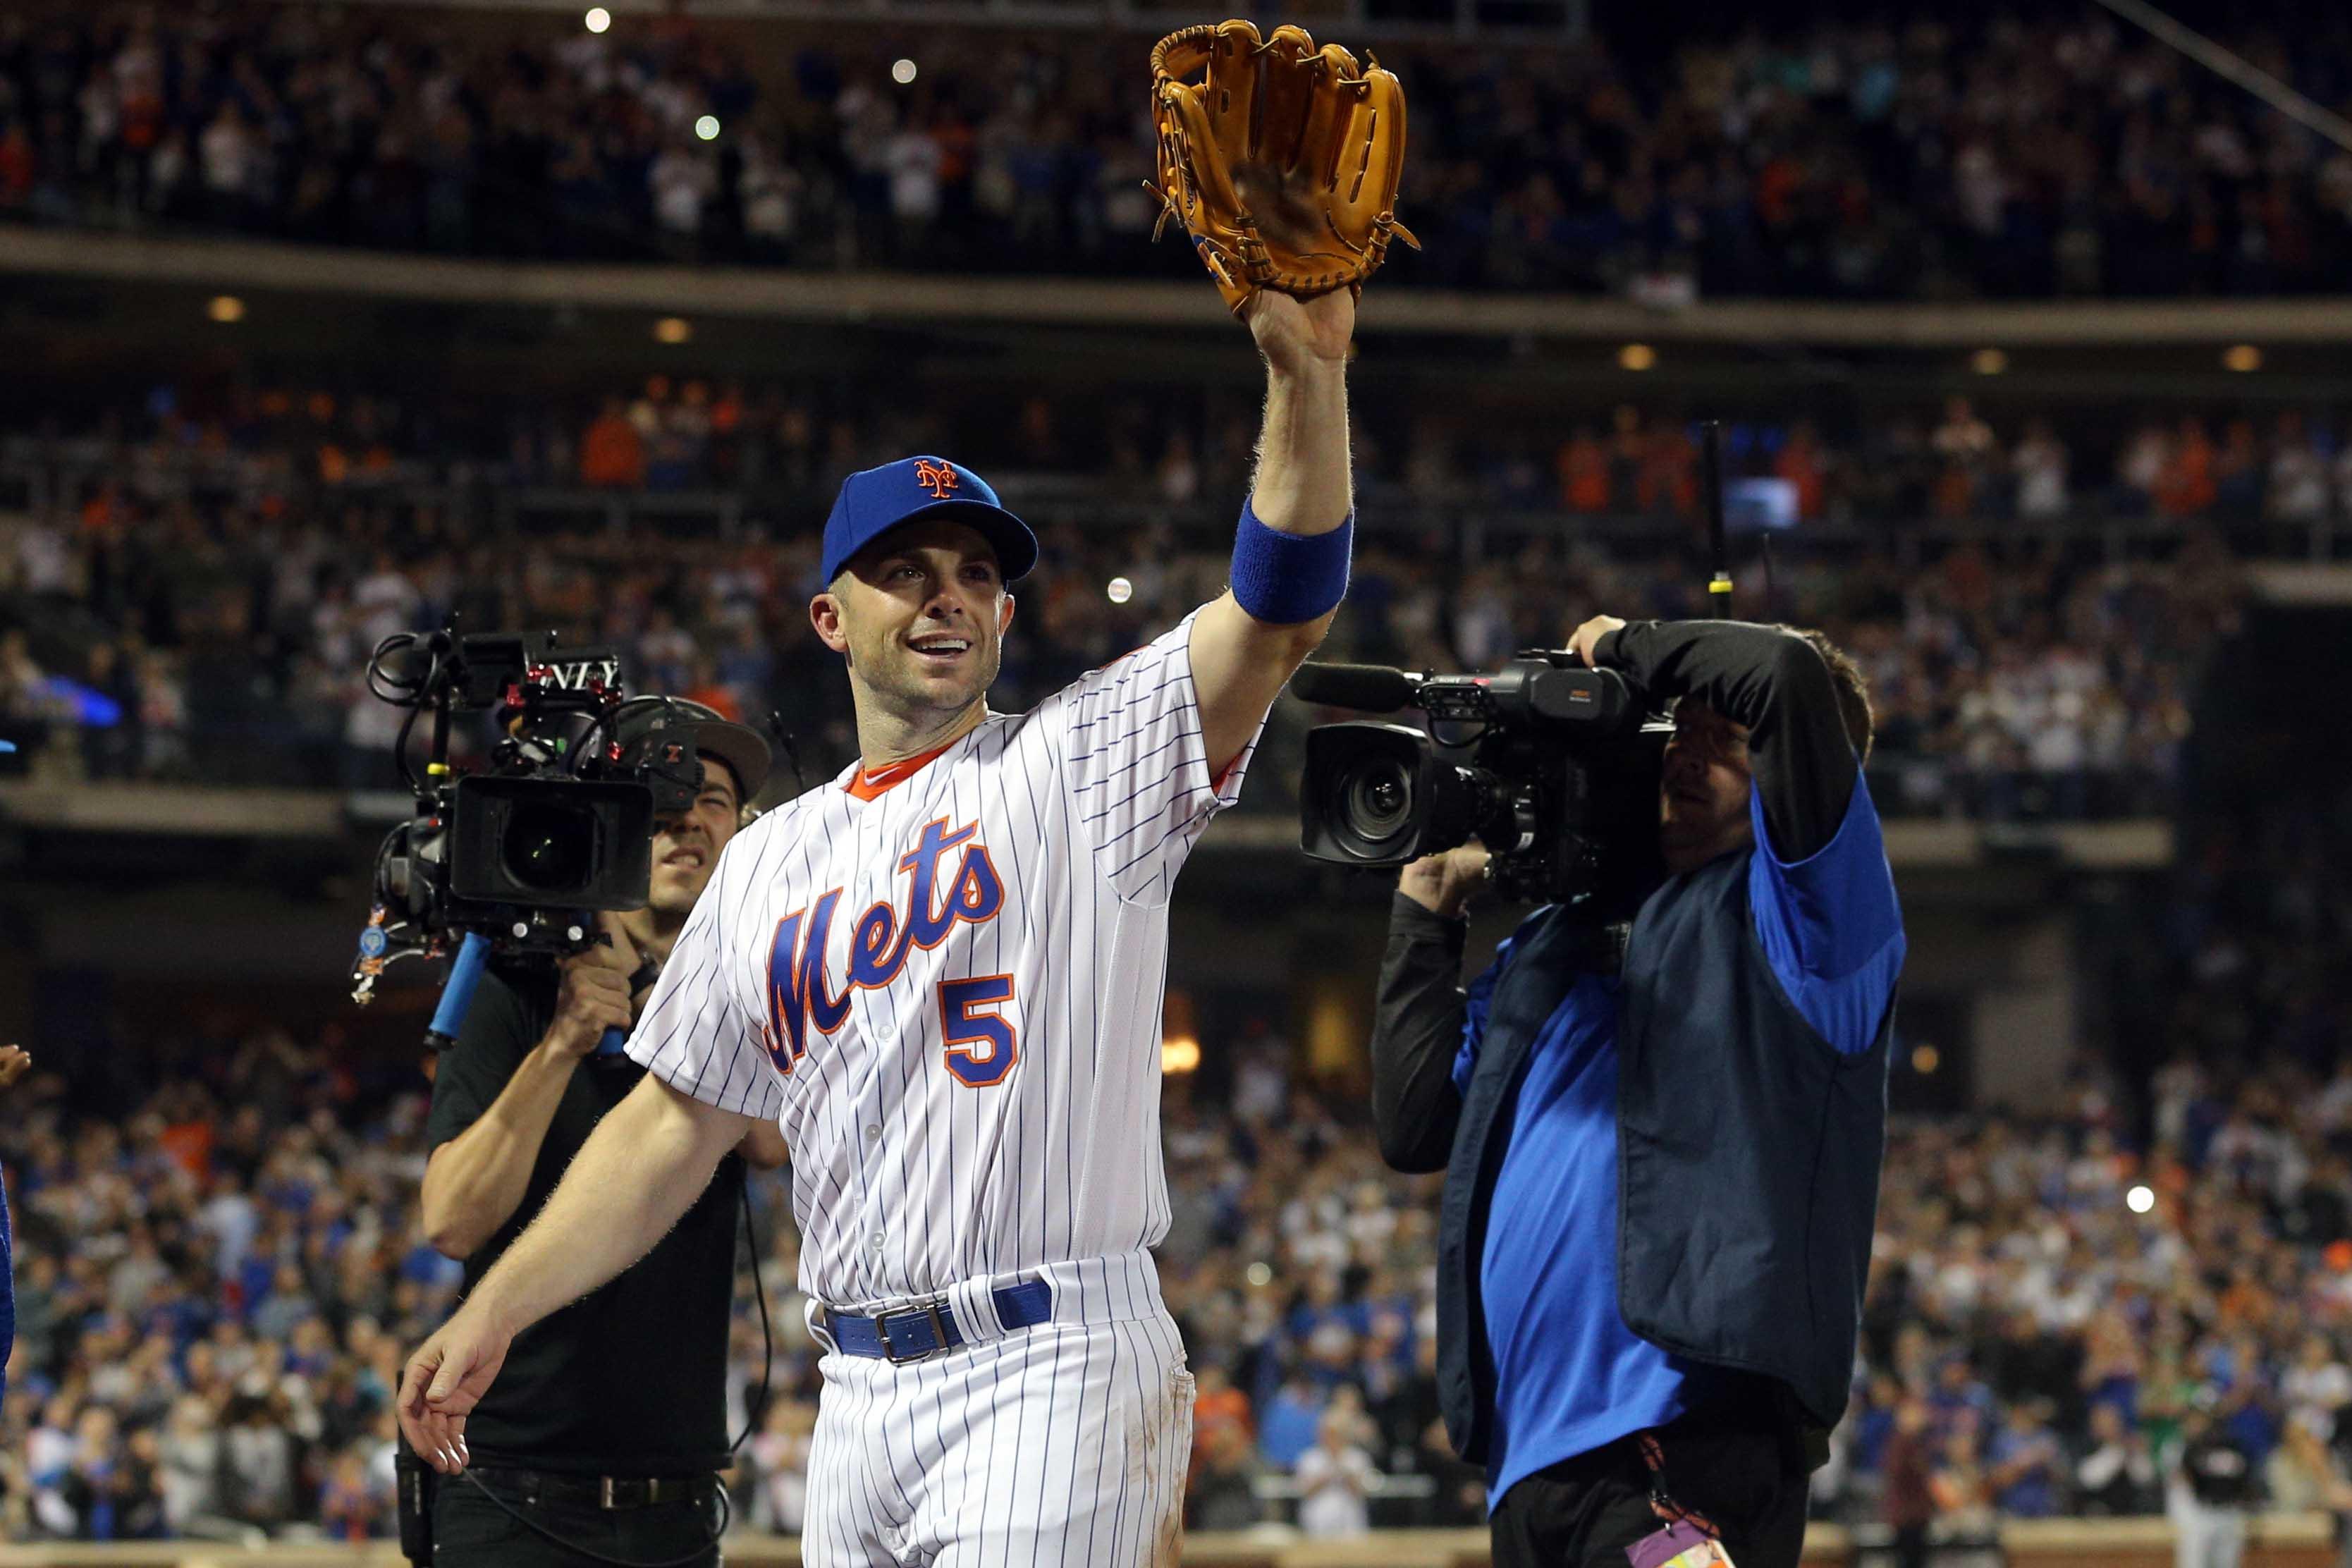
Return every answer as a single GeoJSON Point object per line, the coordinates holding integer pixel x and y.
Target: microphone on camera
{"type": "Point", "coordinates": [1366, 688]}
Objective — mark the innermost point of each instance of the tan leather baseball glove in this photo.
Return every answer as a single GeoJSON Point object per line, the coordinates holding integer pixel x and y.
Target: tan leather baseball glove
{"type": "Point", "coordinates": [1279, 158]}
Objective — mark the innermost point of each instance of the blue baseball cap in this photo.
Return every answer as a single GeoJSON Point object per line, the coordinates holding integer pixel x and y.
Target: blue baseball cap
{"type": "Point", "coordinates": [873, 501]}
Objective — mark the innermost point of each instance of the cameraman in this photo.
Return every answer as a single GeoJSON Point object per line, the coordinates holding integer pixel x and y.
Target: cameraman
{"type": "Point", "coordinates": [1662, 1145]}
{"type": "Point", "coordinates": [607, 1433]}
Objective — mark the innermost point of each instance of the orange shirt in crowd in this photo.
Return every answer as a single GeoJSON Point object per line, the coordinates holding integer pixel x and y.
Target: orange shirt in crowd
{"type": "Point", "coordinates": [1583, 466]}
{"type": "Point", "coordinates": [612, 453]}
{"type": "Point", "coordinates": [716, 698]}
{"type": "Point", "coordinates": [1216, 1408]}
{"type": "Point", "coordinates": [2185, 485]}
{"type": "Point", "coordinates": [190, 1146]}
{"type": "Point", "coordinates": [1799, 463]}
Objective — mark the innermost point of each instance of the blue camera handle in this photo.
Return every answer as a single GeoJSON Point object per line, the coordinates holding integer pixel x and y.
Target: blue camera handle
{"type": "Point", "coordinates": [457, 993]}
{"type": "Point", "coordinates": [457, 997]}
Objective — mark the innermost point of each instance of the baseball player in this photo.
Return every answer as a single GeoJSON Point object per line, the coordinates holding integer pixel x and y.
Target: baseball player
{"type": "Point", "coordinates": [942, 975]}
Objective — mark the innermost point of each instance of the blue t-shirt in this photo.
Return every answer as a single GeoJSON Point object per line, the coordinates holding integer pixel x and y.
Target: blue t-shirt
{"type": "Point", "coordinates": [1569, 1375]}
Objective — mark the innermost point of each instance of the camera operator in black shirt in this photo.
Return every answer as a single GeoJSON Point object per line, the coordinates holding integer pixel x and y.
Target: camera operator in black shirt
{"type": "Point", "coordinates": [574, 1465]}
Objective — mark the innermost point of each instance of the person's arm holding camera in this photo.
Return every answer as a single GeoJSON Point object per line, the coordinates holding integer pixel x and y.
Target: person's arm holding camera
{"type": "Point", "coordinates": [1772, 682]}
{"type": "Point", "coordinates": [1421, 1012]}
{"type": "Point", "coordinates": [1774, 720]}
{"type": "Point", "coordinates": [475, 1181]}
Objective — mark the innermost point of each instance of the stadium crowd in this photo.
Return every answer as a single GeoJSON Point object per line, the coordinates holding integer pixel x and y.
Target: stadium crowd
{"type": "Point", "coordinates": [219, 1263]}
{"type": "Point", "coordinates": [1982, 155]}
{"type": "Point", "coordinates": [198, 596]}
{"type": "Point", "coordinates": [781, 445]}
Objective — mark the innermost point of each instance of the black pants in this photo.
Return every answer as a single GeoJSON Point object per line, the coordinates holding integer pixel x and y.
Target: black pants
{"type": "Point", "coordinates": [470, 1530]}
{"type": "Point", "coordinates": [1740, 1464]}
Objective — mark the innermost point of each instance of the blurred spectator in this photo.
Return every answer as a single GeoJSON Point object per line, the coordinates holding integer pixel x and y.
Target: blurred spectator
{"type": "Point", "coordinates": [612, 454]}
{"type": "Point", "coordinates": [2023, 1464]}
{"type": "Point", "coordinates": [1909, 1495]}
{"type": "Point", "coordinates": [2214, 1487]}
{"type": "Point", "coordinates": [2040, 466]}
{"type": "Point", "coordinates": [350, 1508]}
{"type": "Point", "coordinates": [1222, 1493]}
{"type": "Point", "coordinates": [1334, 1480]}
{"type": "Point", "coordinates": [1290, 1423]}
{"type": "Point", "coordinates": [262, 1461]}
{"type": "Point", "coordinates": [194, 1459]}
{"type": "Point", "coordinates": [2117, 1476]}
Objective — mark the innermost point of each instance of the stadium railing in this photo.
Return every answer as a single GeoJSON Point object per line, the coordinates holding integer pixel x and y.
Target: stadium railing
{"type": "Point", "coordinates": [254, 266]}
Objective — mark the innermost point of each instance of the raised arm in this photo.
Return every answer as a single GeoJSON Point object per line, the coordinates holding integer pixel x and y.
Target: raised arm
{"type": "Point", "coordinates": [1302, 491]}
{"type": "Point", "coordinates": [1771, 680]}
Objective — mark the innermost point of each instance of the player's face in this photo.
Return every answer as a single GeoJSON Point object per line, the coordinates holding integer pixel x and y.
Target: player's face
{"type": "Point", "coordinates": [1703, 792]}
{"type": "Point", "coordinates": [686, 846]}
{"type": "Point", "coordinates": [922, 618]}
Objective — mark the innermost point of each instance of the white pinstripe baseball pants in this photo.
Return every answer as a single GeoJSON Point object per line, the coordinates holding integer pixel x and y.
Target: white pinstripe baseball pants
{"type": "Point", "coordinates": [1064, 1444]}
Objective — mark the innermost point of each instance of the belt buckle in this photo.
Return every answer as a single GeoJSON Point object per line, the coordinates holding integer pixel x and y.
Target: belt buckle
{"type": "Point", "coordinates": [930, 1308]}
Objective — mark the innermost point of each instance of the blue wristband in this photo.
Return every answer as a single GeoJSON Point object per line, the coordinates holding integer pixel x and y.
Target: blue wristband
{"type": "Point", "coordinates": [1290, 579]}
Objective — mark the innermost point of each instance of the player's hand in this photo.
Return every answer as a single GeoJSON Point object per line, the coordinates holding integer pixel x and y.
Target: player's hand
{"type": "Point", "coordinates": [1587, 636]}
{"type": "Point", "coordinates": [594, 996]}
{"type": "Point", "coordinates": [1300, 335]}
{"type": "Point", "coordinates": [1445, 884]}
{"type": "Point", "coordinates": [13, 1064]}
{"type": "Point", "coordinates": [444, 1381]}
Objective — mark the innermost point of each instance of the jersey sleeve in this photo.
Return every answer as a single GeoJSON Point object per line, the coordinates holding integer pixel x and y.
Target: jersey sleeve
{"type": "Point", "coordinates": [1136, 769]}
{"type": "Point", "coordinates": [1830, 925]}
{"type": "Point", "coordinates": [696, 1035]}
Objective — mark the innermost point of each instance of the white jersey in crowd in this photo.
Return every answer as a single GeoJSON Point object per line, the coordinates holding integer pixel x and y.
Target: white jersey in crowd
{"type": "Point", "coordinates": [945, 983]}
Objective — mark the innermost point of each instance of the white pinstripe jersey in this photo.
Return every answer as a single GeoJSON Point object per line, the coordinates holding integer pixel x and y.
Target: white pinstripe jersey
{"type": "Point", "coordinates": [948, 991]}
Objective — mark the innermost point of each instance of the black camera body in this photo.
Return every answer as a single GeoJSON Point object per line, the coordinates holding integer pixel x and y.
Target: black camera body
{"type": "Point", "coordinates": [1548, 763]}
{"type": "Point", "coordinates": [555, 827]}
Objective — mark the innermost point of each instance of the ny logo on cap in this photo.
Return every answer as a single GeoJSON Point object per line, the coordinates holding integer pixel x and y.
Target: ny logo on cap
{"type": "Point", "coordinates": [937, 478]}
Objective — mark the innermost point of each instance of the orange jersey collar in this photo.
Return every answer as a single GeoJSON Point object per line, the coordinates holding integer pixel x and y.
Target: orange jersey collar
{"type": "Point", "coordinates": [870, 782]}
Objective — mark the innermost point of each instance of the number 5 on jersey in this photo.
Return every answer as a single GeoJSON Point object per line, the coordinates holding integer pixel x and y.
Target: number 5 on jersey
{"type": "Point", "coordinates": [981, 1045]}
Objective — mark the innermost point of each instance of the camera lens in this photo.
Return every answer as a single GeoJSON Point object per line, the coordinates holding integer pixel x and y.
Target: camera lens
{"type": "Point", "coordinates": [1376, 799]}
{"type": "Point", "coordinates": [547, 848]}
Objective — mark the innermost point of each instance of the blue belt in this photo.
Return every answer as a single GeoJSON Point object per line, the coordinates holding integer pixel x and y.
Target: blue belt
{"type": "Point", "coordinates": [930, 1329]}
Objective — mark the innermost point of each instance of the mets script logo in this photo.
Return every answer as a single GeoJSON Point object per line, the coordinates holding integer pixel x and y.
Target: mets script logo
{"type": "Point", "coordinates": [981, 1045]}
{"type": "Point", "coordinates": [937, 478]}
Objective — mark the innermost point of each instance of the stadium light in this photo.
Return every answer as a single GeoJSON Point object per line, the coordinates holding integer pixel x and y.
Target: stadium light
{"type": "Point", "coordinates": [226, 308]}
{"type": "Point", "coordinates": [2139, 1200]}
{"type": "Point", "coordinates": [673, 330]}
{"type": "Point", "coordinates": [1260, 1275]}
{"type": "Point", "coordinates": [902, 72]}
{"type": "Point", "coordinates": [1926, 1059]}
{"type": "Point", "coordinates": [2243, 357]}
{"type": "Point", "coordinates": [598, 18]}
{"type": "Point", "coordinates": [1989, 361]}
{"type": "Point", "coordinates": [1119, 590]}
{"type": "Point", "coordinates": [707, 128]}
{"type": "Point", "coordinates": [1181, 1054]}
{"type": "Point", "coordinates": [1636, 356]}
